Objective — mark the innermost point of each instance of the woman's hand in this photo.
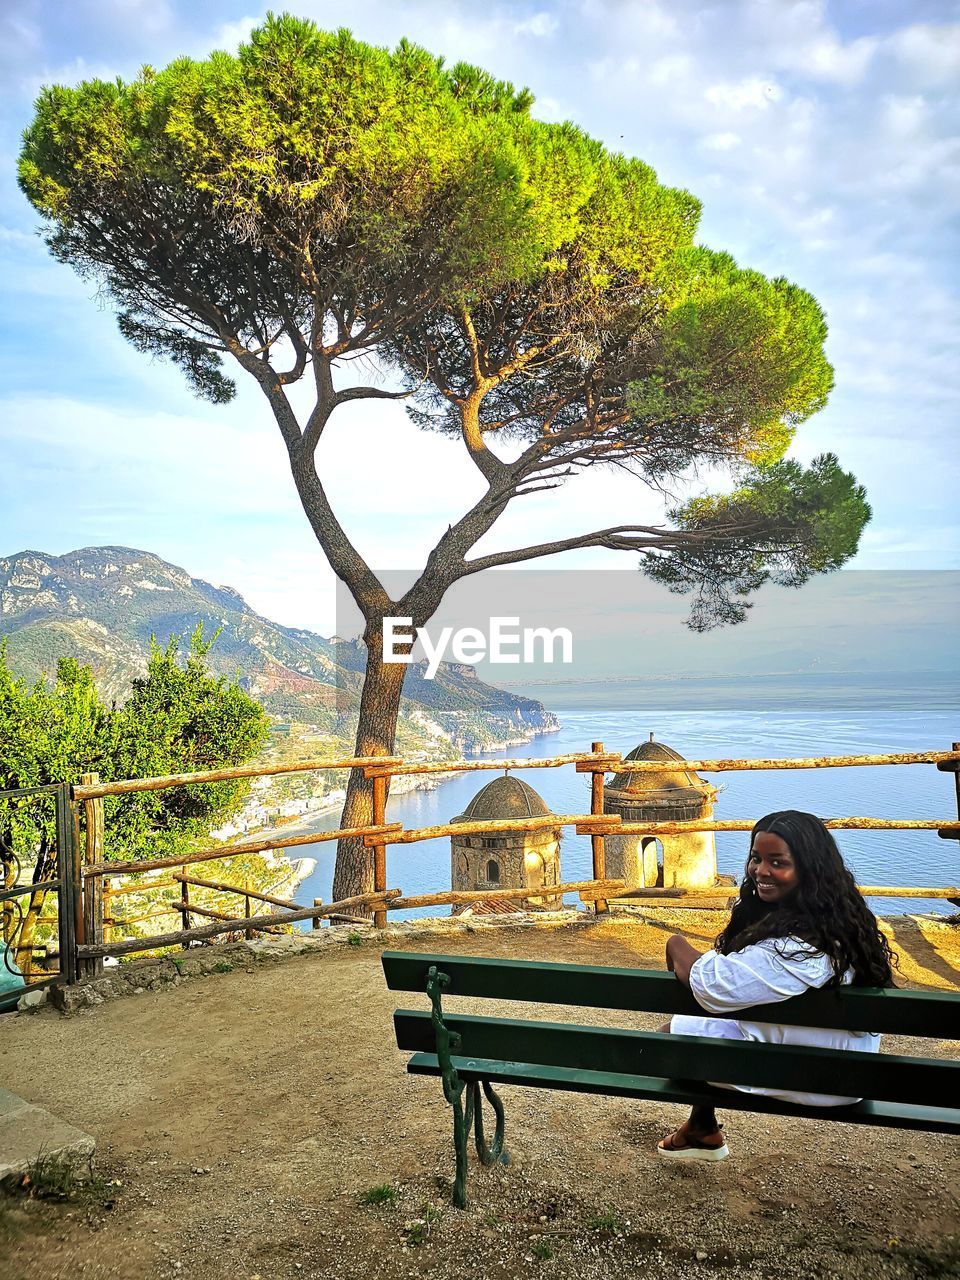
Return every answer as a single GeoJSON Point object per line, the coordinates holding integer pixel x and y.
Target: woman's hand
{"type": "Point", "coordinates": [681, 957]}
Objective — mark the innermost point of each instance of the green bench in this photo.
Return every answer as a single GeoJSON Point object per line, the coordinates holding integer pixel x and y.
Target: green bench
{"type": "Point", "coordinates": [470, 1054]}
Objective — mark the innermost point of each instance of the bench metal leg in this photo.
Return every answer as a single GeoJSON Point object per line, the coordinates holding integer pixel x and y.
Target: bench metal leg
{"type": "Point", "coordinates": [488, 1154]}
{"type": "Point", "coordinates": [468, 1112]}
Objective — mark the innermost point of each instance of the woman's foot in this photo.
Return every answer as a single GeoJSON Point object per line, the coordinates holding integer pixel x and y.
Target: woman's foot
{"type": "Point", "coordinates": [682, 1144]}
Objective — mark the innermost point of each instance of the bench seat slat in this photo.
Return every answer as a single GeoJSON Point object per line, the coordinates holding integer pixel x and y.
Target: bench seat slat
{"type": "Point", "coordinates": [887, 1077]}
{"type": "Point", "coordinates": [894, 1012]}
{"type": "Point", "coordinates": [891, 1115]}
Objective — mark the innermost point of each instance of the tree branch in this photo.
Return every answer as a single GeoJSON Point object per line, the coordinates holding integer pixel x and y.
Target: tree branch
{"type": "Point", "coordinates": [372, 393]}
{"type": "Point", "coordinates": [618, 538]}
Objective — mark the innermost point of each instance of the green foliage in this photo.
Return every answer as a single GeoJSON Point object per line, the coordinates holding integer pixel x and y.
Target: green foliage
{"type": "Point", "coordinates": [608, 1222]}
{"type": "Point", "coordinates": [782, 525]}
{"type": "Point", "coordinates": [739, 362]}
{"type": "Point", "coordinates": [63, 1177]}
{"type": "Point", "coordinates": [354, 940]}
{"type": "Point", "coordinates": [418, 1229]}
{"type": "Point", "coordinates": [542, 1251]}
{"type": "Point", "coordinates": [310, 162]}
{"type": "Point", "coordinates": [382, 1194]}
{"type": "Point", "coordinates": [317, 195]}
{"type": "Point", "coordinates": [179, 719]}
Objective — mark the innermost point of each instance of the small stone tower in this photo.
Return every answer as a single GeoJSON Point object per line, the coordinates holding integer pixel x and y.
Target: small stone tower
{"type": "Point", "coordinates": [670, 795]}
{"type": "Point", "coordinates": [507, 859]}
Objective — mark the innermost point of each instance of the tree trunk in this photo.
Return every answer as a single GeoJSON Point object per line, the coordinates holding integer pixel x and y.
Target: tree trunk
{"type": "Point", "coordinates": [8, 880]}
{"type": "Point", "coordinates": [376, 734]}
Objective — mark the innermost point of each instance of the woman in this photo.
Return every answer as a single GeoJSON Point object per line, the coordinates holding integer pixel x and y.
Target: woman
{"type": "Point", "coordinates": [800, 922]}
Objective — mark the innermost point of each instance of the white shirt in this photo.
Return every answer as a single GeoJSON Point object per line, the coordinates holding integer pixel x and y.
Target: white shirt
{"type": "Point", "coordinates": [764, 972]}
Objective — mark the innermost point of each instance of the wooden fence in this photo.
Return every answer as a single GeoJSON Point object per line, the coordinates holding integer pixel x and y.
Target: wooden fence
{"type": "Point", "coordinates": [99, 890]}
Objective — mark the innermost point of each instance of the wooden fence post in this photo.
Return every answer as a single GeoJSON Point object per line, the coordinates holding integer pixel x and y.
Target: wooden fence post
{"type": "Point", "coordinates": [379, 850]}
{"type": "Point", "coordinates": [92, 885]}
{"type": "Point", "coordinates": [596, 840]}
{"type": "Point", "coordinates": [107, 909]}
{"type": "Point", "coordinates": [955, 746]}
{"type": "Point", "coordinates": [248, 932]}
{"type": "Point", "coordinates": [184, 905]}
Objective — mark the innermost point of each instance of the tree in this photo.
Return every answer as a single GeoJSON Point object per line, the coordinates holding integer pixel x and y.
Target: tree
{"type": "Point", "coordinates": [178, 718]}
{"type": "Point", "coordinates": [313, 199]}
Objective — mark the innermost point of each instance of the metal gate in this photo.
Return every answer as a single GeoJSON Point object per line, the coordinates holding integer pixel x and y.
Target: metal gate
{"type": "Point", "coordinates": [39, 896]}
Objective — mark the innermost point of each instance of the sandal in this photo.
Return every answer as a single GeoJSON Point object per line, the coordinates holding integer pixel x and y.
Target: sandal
{"type": "Point", "coordinates": [679, 1145]}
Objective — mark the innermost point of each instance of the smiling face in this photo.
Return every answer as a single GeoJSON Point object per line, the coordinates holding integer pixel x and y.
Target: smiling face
{"type": "Point", "coordinates": [771, 867]}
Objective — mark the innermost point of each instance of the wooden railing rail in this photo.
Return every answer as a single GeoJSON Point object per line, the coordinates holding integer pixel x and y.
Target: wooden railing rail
{"type": "Point", "coordinates": [747, 824]}
{"type": "Point", "coordinates": [231, 850]}
{"type": "Point", "coordinates": [129, 786]}
{"type": "Point", "coordinates": [142, 887]}
{"type": "Point", "coordinates": [96, 872]}
{"type": "Point", "coordinates": [131, 945]}
{"type": "Point", "coordinates": [793, 762]}
{"type": "Point", "coordinates": [382, 767]}
{"type": "Point", "coordinates": [493, 826]}
{"type": "Point", "coordinates": [221, 886]}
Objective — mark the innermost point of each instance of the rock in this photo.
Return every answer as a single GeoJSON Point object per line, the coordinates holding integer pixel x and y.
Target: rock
{"type": "Point", "coordinates": [70, 999]}
{"type": "Point", "coordinates": [35, 998]}
{"type": "Point", "coordinates": [274, 946]}
{"type": "Point", "coordinates": [29, 1133]}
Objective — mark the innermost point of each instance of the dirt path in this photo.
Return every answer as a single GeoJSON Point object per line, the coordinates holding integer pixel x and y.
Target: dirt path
{"type": "Point", "coordinates": [280, 1083]}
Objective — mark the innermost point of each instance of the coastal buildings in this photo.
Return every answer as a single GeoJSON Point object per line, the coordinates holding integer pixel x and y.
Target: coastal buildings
{"type": "Point", "coordinates": [688, 860]}
{"type": "Point", "coordinates": [506, 859]}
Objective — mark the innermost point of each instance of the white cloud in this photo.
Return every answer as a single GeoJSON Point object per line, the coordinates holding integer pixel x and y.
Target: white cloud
{"type": "Point", "coordinates": [538, 24]}
{"type": "Point", "coordinates": [829, 59]}
{"type": "Point", "coordinates": [678, 67]}
{"type": "Point", "coordinates": [798, 37]}
{"type": "Point", "coordinates": [931, 53]}
{"type": "Point", "coordinates": [232, 34]}
{"type": "Point", "coordinates": [19, 240]}
{"type": "Point", "coordinates": [720, 141]}
{"type": "Point", "coordinates": [904, 115]}
{"type": "Point", "coordinates": [750, 94]}
{"type": "Point", "coordinates": [20, 41]}
{"type": "Point", "coordinates": [553, 110]}
{"type": "Point", "coordinates": [150, 17]}
{"type": "Point", "coordinates": [206, 457]}
{"type": "Point", "coordinates": [69, 73]}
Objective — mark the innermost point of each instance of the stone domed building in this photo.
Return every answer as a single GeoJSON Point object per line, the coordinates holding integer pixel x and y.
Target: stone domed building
{"type": "Point", "coordinates": [506, 859]}
{"type": "Point", "coordinates": [667, 795]}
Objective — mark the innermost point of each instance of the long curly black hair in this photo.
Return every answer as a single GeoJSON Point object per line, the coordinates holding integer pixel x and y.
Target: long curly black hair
{"type": "Point", "coordinates": [825, 909]}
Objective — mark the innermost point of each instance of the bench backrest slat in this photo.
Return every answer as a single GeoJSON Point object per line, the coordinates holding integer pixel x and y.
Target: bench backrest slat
{"type": "Point", "coordinates": [880, 1076]}
{"type": "Point", "coordinates": [894, 1012]}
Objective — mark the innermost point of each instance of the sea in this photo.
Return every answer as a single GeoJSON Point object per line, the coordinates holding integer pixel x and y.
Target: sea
{"type": "Point", "coordinates": [711, 718]}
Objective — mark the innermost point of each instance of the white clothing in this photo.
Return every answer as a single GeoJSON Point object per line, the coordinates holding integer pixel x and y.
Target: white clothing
{"type": "Point", "coordinates": [774, 969]}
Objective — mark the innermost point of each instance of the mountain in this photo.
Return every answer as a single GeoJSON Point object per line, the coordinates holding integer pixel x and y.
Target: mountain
{"type": "Point", "coordinates": [102, 605]}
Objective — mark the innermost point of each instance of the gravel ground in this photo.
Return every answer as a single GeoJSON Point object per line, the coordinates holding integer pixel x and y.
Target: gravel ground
{"type": "Point", "coordinates": [243, 1114]}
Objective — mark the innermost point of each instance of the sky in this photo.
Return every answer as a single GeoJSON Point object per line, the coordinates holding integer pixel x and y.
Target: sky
{"type": "Point", "coordinates": [822, 139]}
{"type": "Point", "coordinates": [620, 624]}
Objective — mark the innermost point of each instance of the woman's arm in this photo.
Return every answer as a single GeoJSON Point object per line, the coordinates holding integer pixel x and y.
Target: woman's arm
{"type": "Point", "coordinates": [681, 957]}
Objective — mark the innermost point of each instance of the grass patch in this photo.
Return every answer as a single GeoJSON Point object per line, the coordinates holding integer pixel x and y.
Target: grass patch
{"type": "Point", "coordinates": [418, 1229]}
{"type": "Point", "coordinates": [542, 1251]}
{"type": "Point", "coordinates": [59, 1177]}
{"type": "Point", "coordinates": [608, 1222]}
{"type": "Point", "coordinates": [223, 966]}
{"type": "Point", "coordinates": [383, 1194]}
{"type": "Point", "coordinates": [354, 939]}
